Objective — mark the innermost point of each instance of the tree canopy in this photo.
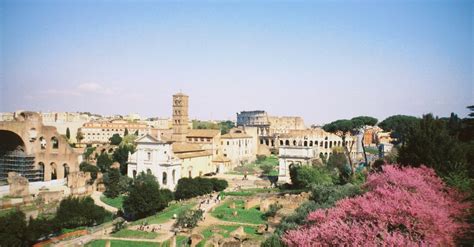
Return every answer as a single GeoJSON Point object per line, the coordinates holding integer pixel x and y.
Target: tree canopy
{"type": "Point", "coordinates": [115, 139]}
{"type": "Point", "coordinates": [399, 126]}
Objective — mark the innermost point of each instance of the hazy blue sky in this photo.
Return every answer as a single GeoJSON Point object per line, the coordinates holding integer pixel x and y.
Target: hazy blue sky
{"type": "Point", "coordinates": [321, 60]}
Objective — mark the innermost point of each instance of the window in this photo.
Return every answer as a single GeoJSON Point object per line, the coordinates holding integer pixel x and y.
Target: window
{"type": "Point", "coordinates": [165, 179]}
{"type": "Point", "coordinates": [148, 156]}
{"type": "Point", "coordinates": [54, 142]}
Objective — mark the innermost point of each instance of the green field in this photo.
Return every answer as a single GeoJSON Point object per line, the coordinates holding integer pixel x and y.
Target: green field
{"type": "Point", "coordinates": [126, 233]}
{"type": "Point", "coordinates": [166, 214]}
{"type": "Point", "coordinates": [116, 202]}
{"type": "Point", "coordinates": [122, 243]}
{"type": "Point", "coordinates": [249, 192]}
{"type": "Point", "coordinates": [252, 215]}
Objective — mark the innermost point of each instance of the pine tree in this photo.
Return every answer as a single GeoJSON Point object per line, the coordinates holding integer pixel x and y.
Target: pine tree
{"type": "Point", "coordinates": [68, 133]}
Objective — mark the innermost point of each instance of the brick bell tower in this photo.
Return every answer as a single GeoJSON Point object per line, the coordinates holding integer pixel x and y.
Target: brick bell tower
{"type": "Point", "coordinates": [180, 117]}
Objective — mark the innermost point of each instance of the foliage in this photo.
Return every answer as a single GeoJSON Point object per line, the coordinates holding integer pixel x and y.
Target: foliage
{"type": "Point", "coordinates": [403, 207]}
{"type": "Point", "coordinates": [125, 133]}
{"type": "Point", "coordinates": [115, 139]}
{"type": "Point", "coordinates": [251, 215]}
{"type": "Point", "coordinates": [68, 133]}
{"type": "Point", "coordinates": [303, 176]}
{"type": "Point", "coordinates": [430, 144]}
{"type": "Point", "coordinates": [189, 218]}
{"type": "Point", "coordinates": [272, 210]}
{"type": "Point", "coordinates": [225, 126]}
{"type": "Point", "coordinates": [12, 229]}
{"type": "Point", "coordinates": [88, 152]}
{"type": "Point", "coordinates": [75, 212]}
{"type": "Point", "coordinates": [126, 233]}
{"type": "Point", "coordinates": [266, 168]}
{"type": "Point", "coordinates": [116, 202]}
{"type": "Point", "coordinates": [144, 197]}
{"type": "Point", "coordinates": [79, 136]}
{"type": "Point", "coordinates": [104, 162]}
{"type": "Point", "coordinates": [112, 183]}
{"type": "Point", "coordinates": [192, 187]}
{"type": "Point", "coordinates": [399, 126]}
{"type": "Point", "coordinates": [219, 184]}
{"type": "Point", "coordinates": [121, 155]}
{"type": "Point", "coordinates": [86, 167]}
{"type": "Point", "coordinates": [337, 160]}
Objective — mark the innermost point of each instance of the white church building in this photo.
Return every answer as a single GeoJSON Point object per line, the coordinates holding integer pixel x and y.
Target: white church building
{"type": "Point", "coordinates": [157, 157]}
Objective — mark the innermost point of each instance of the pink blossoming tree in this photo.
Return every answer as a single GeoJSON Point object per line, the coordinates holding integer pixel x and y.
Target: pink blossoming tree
{"type": "Point", "coordinates": [403, 207]}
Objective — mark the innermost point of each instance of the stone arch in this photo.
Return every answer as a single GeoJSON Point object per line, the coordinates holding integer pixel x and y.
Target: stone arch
{"type": "Point", "coordinates": [305, 143]}
{"type": "Point", "coordinates": [165, 178]}
{"type": "Point", "coordinates": [310, 143]}
{"type": "Point", "coordinates": [65, 170]}
{"type": "Point", "coordinates": [54, 172]}
{"type": "Point", "coordinates": [287, 143]}
{"type": "Point", "coordinates": [326, 144]}
{"type": "Point", "coordinates": [148, 171]}
{"type": "Point", "coordinates": [41, 170]}
{"type": "Point", "coordinates": [294, 142]}
{"type": "Point", "coordinates": [316, 143]}
{"type": "Point", "coordinates": [54, 142]}
{"type": "Point", "coordinates": [134, 172]}
{"type": "Point", "coordinates": [10, 141]}
{"type": "Point", "coordinates": [281, 142]}
{"type": "Point", "coordinates": [42, 143]}
{"type": "Point", "coordinates": [330, 144]}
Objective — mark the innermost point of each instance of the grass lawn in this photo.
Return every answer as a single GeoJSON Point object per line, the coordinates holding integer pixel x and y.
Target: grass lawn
{"type": "Point", "coordinates": [252, 215]}
{"type": "Point", "coordinates": [126, 233]}
{"type": "Point", "coordinates": [121, 243]}
{"type": "Point", "coordinates": [166, 214]}
{"type": "Point", "coordinates": [249, 192]}
{"type": "Point", "coordinates": [116, 202]}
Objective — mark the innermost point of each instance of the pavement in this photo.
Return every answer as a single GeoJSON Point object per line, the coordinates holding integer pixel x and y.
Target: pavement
{"type": "Point", "coordinates": [96, 197]}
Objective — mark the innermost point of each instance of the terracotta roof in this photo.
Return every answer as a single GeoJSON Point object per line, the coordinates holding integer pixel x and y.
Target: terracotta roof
{"type": "Point", "coordinates": [188, 155]}
{"type": "Point", "coordinates": [210, 133]}
{"type": "Point", "coordinates": [235, 136]}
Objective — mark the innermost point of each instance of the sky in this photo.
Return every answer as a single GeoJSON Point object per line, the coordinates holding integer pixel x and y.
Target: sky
{"type": "Point", "coordinates": [321, 60]}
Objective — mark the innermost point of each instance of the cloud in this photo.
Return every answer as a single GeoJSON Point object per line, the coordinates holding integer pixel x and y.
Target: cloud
{"type": "Point", "coordinates": [90, 87]}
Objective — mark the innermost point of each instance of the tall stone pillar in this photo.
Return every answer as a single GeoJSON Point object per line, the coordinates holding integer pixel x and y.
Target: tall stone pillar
{"type": "Point", "coordinates": [180, 117]}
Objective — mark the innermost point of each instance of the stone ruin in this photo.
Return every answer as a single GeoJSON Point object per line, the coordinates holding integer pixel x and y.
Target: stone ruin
{"type": "Point", "coordinates": [79, 183]}
{"type": "Point", "coordinates": [19, 186]}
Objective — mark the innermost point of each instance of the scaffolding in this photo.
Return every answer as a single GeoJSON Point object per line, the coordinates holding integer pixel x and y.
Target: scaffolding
{"type": "Point", "coordinates": [18, 161]}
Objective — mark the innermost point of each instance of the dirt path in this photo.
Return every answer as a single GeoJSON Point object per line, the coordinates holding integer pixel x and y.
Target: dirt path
{"type": "Point", "coordinates": [96, 197]}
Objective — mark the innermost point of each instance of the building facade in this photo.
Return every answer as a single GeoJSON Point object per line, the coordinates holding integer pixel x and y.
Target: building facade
{"type": "Point", "coordinates": [101, 132]}
{"type": "Point", "coordinates": [238, 147]}
{"type": "Point", "coordinates": [155, 157]}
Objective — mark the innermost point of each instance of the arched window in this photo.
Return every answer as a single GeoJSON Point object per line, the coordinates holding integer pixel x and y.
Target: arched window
{"type": "Point", "coordinates": [54, 174]}
{"type": "Point", "coordinates": [281, 142]}
{"type": "Point", "coordinates": [41, 170]}
{"type": "Point", "coordinates": [316, 143]}
{"type": "Point", "coordinates": [165, 179]}
{"type": "Point", "coordinates": [287, 143]}
{"type": "Point", "coordinates": [294, 143]}
{"type": "Point", "coordinates": [190, 174]}
{"type": "Point", "coordinates": [326, 144]}
{"type": "Point", "coordinates": [134, 174]}
{"type": "Point", "coordinates": [173, 174]}
{"type": "Point", "coordinates": [148, 171]}
{"type": "Point", "coordinates": [310, 143]}
{"type": "Point", "coordinates": [305, 143]}
{"type": "Point", "coordinates": [54, 142]}
{"type": "Point", "coordinates": [330, 144]}
{"type": "Point", "coordinates": [42, 142]}
{"type": "Point", "coordinates": [66, 170]}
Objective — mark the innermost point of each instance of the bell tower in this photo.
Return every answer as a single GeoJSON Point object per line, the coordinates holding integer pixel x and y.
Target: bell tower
{"type": "Point", "coordinates": [180, 117]}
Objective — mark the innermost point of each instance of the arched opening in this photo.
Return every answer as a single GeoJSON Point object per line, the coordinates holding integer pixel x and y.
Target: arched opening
{"type": "Point", "coordinates": [300, 143]}
{"type": "Point", "coordinates": [165, 178]}
{"type": "Point", "coordinates": [189, 174]}
{"type": "Point", "coordinates": [310, 143]}
{"type": "Point", "coordinates": [281, 142]}
{"type": "Point", "coordinates": [326, 144]}
{"type": "Point", "coordinates": [316, 143]}
{"type": "Point", "coordinates": [330, 144]}
{"type": "Point", "coordinates": [134, 174]}
{"type": "Point", "coordinates": [173, 175]}
{"type": "Point", "coordinates": [287, 143]}
{"type": "Point", "coordinates": [54, 142]}
{"type": "Point", "coordinates": [305, 143]}
{"type": "Point", "coordinates": [111, 150]}
{"type": "Point", "coordinates": [66, 170]}
{"type": "Point", "coordinates": [42, 142]}
{"type": "Point", "coordinates": [294, 143]}
{"type": "Point", "coordinates": [148, 171]}
{"type": "Point", "coordinates": [41, 171]}
{"type": "Point", "coordinates": [10, 141]}
{"type": "Point", "coordinates": [32, 134]}
{"type": "Point", "coordinates": [54, 174]}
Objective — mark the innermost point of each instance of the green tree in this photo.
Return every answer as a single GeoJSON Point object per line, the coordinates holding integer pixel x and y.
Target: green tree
{"type": "Point", "coordinates": [303, 176]}
{"type": "Point", "coordinates": [136, 133]}
{"type": "Point", "coordinates": [112, 183]}
{"type": "Point", "coordinates": [430, 144]}
{"type": "Point", "coordinates": [144, 197]}
{"type": "Point", "coordinates": [86, 167]}
{"type": "Point", "coordinates": [121, 155]}
{"type": "Point", "coordinates": [115, 139]}
{"type": "Point", "coordinates": [399, 127]}
{"type": "Point", "coordinates": [344, 127]}
{"type": "Point", "coordinates": [189, 218]}
{"type": "Point", "coordinates": [125, 133]}
{"type": "Point", "coordinates": [74, 212]}
{"type": "Point", "coordinates": [225, 126]}
{"type": "Point", "coordinates": [104, 162]}
{"type": "Point", "coordinates": [13, 229]}
{"type": "Point", "coordinates": [68, 133]}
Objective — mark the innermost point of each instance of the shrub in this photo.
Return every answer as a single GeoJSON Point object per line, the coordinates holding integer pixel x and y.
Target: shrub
{"type": "Point", "coordinates": [75, 212]}
{"type": "Point", "coordinates": [403, 207]}
{"type": "Point", "coordinates": [219, 184]}
{"type": "Point", "coordinates": [86, 167]}
{"type": "Point", "coordinates": [192, 187]}
{"type": "Point", "coordinates": [304, 176]}
{"type": "Point", "coordinates": [189, 218]}
{"type": "Point", "coordinates": [272, 210]}
{"type": "Point", "coordinates": [266, 168]}
{"type": "Point", "coordinates": [12, 229]}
